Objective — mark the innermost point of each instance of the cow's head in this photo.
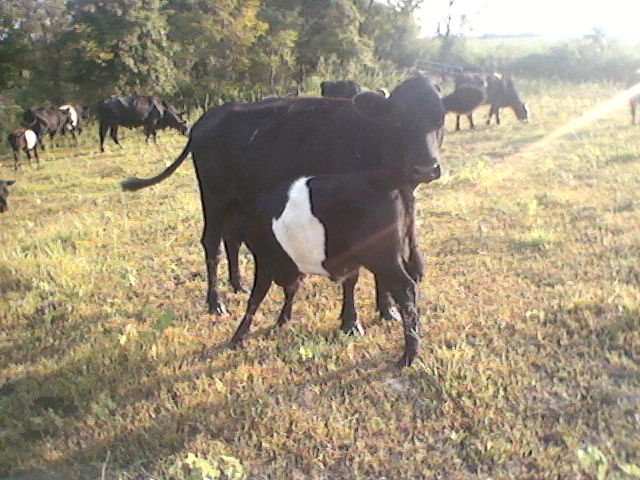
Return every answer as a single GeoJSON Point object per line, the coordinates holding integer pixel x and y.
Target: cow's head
{"type": "Point", "coordinates": [414, 115]}
{"type": "Point", "coordinates": [513, 100]}
{"type": "Point", "coordinates": [174, 119]}
{"type": "Point", "coordinates": [4, 193]}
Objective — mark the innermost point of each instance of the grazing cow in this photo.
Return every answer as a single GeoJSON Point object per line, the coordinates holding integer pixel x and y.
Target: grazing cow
{"type": "Point", "coordinates": [45, 121]}
{"type": "Point", "coordinates": [463, 101]}
{"type": "Point", "coordinates": [4, 193]}
{"type": "Point", "coordinates": [23, 139]}
{"type": "Point", "coordinates": [634, 101]}
{"type": "Point", "coordinates": [240, 150]}
{"type": "Point", "coordinates": [332, 225]}
{"type": "Point", "coordinates": [134, 111]}
{"type": "Point", "coordinates": [74, 121]}
{"type": "Point", "coordinates": [500, 92]}
{"type": "Point", "coordinates": [340, 89]}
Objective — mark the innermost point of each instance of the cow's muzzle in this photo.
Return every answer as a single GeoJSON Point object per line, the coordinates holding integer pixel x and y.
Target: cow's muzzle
{"type": "Point", "coordinates": [424, 174]}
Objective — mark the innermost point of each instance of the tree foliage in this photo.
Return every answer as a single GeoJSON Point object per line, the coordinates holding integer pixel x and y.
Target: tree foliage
{"type": "Point", "coordinates": [197, 51]}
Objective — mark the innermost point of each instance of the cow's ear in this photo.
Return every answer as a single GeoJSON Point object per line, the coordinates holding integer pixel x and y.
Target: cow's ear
{"type": "Point", "coordinates": [10, 182]}
{"type": "Point", "coordinates": [371, 104]}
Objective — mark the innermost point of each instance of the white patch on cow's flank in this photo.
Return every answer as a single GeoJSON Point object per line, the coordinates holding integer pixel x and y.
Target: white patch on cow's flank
{"type": "Point", "coordinates": [72, 113]}
{"type": "Point", "coordinates": [299, 232]}
{"type": "Point", "coordinates": [31, 138]}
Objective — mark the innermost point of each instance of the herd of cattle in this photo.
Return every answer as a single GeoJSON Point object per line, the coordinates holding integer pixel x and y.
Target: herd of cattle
{"type": "Point", "coordinates": [336, 183]}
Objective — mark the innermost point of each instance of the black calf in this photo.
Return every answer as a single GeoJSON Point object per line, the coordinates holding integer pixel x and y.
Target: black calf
{"type": "Point", "coordinates": [23, 139]}
{"type": "Point", "coordinates": [332, 225]}
{"type": "Point", "coordinates": [4, 193]}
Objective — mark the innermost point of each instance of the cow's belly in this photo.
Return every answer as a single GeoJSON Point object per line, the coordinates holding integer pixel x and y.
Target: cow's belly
{"type": "Point", "coordinates": [299, 232]}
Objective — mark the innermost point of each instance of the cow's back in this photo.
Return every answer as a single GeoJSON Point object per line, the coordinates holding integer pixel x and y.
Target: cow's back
{"type": "Point", "coordinates": [254, 146]}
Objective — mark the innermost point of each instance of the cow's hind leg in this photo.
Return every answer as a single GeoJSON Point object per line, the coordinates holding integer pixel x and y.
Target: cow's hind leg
{"type": "Point", "coordinates": [35, 152]}
{"type": "Point", "coordinates": [290, 291]}
{"type": "Point", "coordinates": [232, 236]}
{"type": "Point", "coordinates": [470, 117]}
{"type": "Point", "coordinates": [114, 134]}
{"type": "Point", "coordinates": [457, 123]}
{"type": "Point", "coordinates": [213, 208]}
{"type": "Point", "coordinates": [16, 160]}
{"type": "Point", "coordinates": [261, 283]}
{"type": "Point", "coordinates": [349, 318]}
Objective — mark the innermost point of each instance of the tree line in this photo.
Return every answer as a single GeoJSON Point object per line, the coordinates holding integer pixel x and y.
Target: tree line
{"type": "Point", "coordinates": [197, 52]}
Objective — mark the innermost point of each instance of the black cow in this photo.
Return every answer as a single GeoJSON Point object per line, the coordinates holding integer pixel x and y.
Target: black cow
{"type": "Point", "coordinates": [500, 92]}
{"type": "Point", "coordinates": [340, 89]}
{"type": "Point", "coordinates": [240, 150]}
{"type": "Point", "coordinates": [4, 193]}
{"type": "Point", "coordinates": [634, 100]}
{"type": "Point", "coordinates": [46, 121]}
{"type": "Point", "coordinates": [151, 112]}
{"type": "Point", "coordinates": [332, 225]}
{"type": "Point", "coordinates": [463, 101]}
{"type": "Point", "coordinates": [25, 140]}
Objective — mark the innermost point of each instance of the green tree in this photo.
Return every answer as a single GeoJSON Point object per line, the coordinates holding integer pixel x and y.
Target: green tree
{"type": "Point", "coordinates": [119, 46]}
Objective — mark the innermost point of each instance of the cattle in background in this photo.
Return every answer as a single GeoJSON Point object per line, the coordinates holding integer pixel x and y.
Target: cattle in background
{"type": "Point", "coordinates": [634, 101]}
{"type": "Point", "coordinates": [45, 121]}
{"type": "Point", "coordinates": [153, 113]}
{"type": "Point", "coordinates": [500, 92]}
{"type": "Point", "coordinates": [25, 140]}
{"type": "Point", "coordinates": [332, 225]}
{"type": "Point", "coordinates": [463, 101]}
{"type": "Point", "coordinates": [340, 89]}
{"type": "Point", "coordinates": [4, 193]}
{"type": "Point", "coordinates": [240, 150]}
{"type": "Point", "coordinates": [77, 116]}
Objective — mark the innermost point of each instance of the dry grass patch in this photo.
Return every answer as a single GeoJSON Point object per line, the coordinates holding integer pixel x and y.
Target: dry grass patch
{"type": "Point", "coordinates": [529, 366]}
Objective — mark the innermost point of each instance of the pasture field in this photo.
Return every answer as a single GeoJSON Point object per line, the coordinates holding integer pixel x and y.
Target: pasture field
{"type": "Point", "coordinates": [110, 366]}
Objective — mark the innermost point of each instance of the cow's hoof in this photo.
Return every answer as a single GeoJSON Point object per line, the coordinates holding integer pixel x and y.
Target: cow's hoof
{"type": "Point", "coordinates": [235, 344]}
{"type": "Point", "coordinates": [240, 288]}
{"type": "Point", "coordinates": [218, 308]}
{"type": "Point", "coordinates": [354, 330]}
{"type": "Point", "coordinates": [391, 314]}
{"type": "Point", "coordinates": [405, 361]}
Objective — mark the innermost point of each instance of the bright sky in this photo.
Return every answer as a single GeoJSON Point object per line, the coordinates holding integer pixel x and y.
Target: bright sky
{"type": "Point", "coordinates": [551, 18]}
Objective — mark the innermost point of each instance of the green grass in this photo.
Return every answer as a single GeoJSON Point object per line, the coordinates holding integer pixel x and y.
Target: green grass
{"type": "Point", "coordinates": [529, 363]}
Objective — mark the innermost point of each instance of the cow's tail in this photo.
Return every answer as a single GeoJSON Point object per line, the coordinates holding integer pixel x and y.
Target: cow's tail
{"type": "Point", "coordinates": [132, 184]}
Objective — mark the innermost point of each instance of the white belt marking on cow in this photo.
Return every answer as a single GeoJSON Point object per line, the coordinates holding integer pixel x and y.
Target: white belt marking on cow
{"type": "Point", "coordinates": [31, 138]}
{"type": "Point", "coordinates": [299, 232]}
{"type": "Point", "coordinates": [73, 113]}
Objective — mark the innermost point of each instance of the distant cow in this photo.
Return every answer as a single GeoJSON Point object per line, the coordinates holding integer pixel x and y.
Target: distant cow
{"type": "Point", "coordinates": [463, 101]}
{"type": "Point", "coordinates": [634, 101]}
{"type": "Point", "coordinates": [151, 112]}
{"type": "Point", "coordinates": [340, 89]}
{"type": "Point", "coordinates": [4, 193]}
{"type": "Point", "coordinates": [25, 140]}
{"type": "Point", "coordinates": [332, 225]}
{"type": "Point", "coordinates": [240, 150]}
{"type": "Point", "coordinates": [500, 92]}
{"type": "Point", "coordinates": [77, 116]}
{"type": "Point", "coordinates": [45, 121]}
